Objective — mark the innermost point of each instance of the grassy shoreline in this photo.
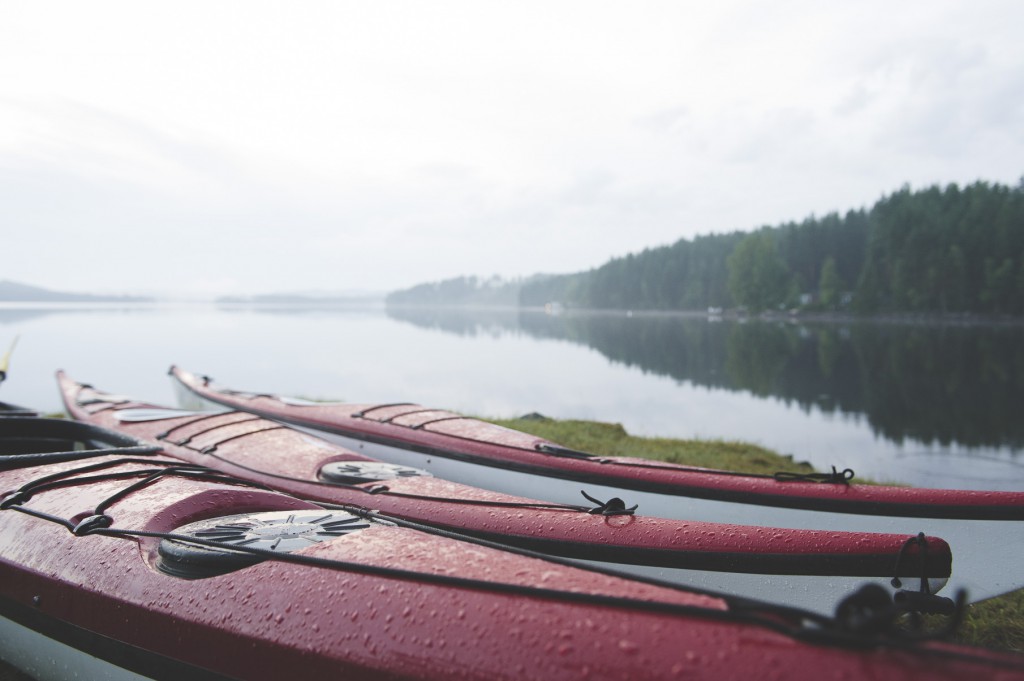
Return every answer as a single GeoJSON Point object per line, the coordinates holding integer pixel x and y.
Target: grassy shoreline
{"type": "Point", "coordinates": [996, 623]}
{"type": "Point", "coordinates": [611, 439]}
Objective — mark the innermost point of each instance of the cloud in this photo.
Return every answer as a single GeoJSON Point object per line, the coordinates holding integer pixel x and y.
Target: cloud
{"type": "Point", "coordinates": [334, 146]}
{"type": "Point", "coordinates": [81, 139]}
{"type": "Point", "coordinates": [665, 120]}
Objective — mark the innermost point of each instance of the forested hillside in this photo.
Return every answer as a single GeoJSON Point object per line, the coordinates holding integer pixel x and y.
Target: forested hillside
{"type": "Point", "coordinates": [459, 291]}
{"type": "Point", "coordinates": [946, 250]}
{"type": "Point", "coordinates": [687, 275]}
{"type": "Point", "coordinates": [933, 250]}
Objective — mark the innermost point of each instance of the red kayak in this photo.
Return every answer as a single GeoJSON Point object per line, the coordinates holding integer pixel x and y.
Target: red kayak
{"type": "Point", "coordinates": [119, 563]}
{"type": "Point", "coordinates": [984, 529]}
{"type": "Point", "coordinates": [810, 569]}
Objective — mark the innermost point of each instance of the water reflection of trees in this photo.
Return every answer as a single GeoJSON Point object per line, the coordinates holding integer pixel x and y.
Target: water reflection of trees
{"type": "Point", "coordinates": [461, 321]}
{"type": "Point", "coordinates": [946, 384]}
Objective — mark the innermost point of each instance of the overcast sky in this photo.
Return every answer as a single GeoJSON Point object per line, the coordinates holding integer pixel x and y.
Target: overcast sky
{"type": "Point", "coordinates": [203, 148]}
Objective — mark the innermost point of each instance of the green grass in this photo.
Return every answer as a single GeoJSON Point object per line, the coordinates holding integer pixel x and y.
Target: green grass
{"type": "Point", "coordinates": [611, 439]}
{"type": "Point", "coordinates": [996, 623]}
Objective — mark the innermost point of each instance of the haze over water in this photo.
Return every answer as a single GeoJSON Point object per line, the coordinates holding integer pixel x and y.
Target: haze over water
{"type": "Point", "coordinates": [925, 405]}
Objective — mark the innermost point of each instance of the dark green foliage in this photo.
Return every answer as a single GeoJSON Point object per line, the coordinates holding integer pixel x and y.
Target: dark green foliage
{"type": "Point", "coordinates": [830, 287]}
{"type": "Point", "coordinates": [687, 275]}
{"type": "Point", "coordinates": [759, 279]}
{"type": "Point", "coordinates": [946, 250]}
{"type": "Point", "coordinates": [935, 250]}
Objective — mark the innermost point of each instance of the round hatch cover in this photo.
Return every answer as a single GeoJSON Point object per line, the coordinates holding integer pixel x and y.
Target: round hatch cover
{"type": "Point", "coordinates": [355, 472]}
{"type": "Point", "coordinates": [280, 531]}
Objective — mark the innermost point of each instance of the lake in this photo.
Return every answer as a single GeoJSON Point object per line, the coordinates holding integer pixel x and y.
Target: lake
{"type": "Point", "coordinates": [927, 405]}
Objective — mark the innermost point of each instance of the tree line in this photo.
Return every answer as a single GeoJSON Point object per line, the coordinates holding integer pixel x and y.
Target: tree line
{"type": "Point", "coordinates": [938, 249]}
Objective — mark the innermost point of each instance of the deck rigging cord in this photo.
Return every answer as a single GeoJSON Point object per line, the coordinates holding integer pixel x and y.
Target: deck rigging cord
{"type": "Point", "coordinates": [842, 477]}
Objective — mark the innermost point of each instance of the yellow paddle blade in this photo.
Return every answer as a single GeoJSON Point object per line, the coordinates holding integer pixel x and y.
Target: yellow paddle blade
{"type": "Point", "coordinates": [6, 360]}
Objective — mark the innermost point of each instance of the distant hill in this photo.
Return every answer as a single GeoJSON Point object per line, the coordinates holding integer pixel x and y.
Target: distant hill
{"type": "Point", "coordinates": [470, 291]}
{"type": "Point", "coordinates": [302, 299]}
{"type": "Point", "coordinates": [15, 292]}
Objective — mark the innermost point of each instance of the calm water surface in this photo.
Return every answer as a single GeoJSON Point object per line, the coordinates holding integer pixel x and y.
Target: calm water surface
{"type": "Point", "coordinates": [927, 405]}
